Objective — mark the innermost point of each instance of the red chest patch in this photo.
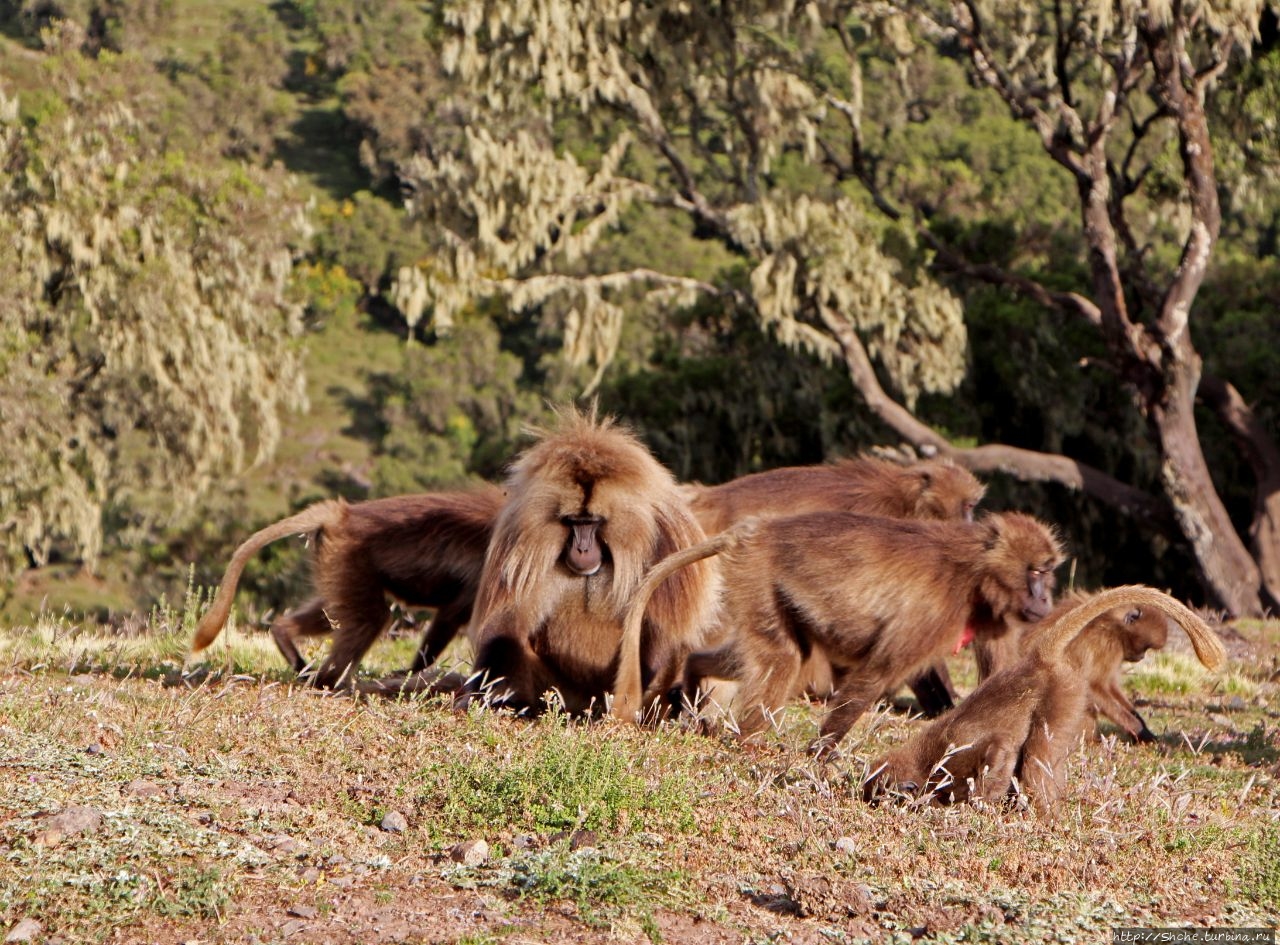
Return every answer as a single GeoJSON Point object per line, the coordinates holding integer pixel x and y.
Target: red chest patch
{"type": "Point", "coordinates": [966, 637]}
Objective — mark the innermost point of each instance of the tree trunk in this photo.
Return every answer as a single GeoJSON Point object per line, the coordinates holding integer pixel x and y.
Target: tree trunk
{"type": "Point", "coordinates": [1264, 457]}
{"type": "Point", "coordinates": [1228, 570]}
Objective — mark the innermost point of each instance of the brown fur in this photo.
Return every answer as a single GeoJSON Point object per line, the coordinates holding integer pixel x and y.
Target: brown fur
{"type": "Point", "coordinates": [538, 625]}
{"type": "Point", "coordinates": [879, 598]}
{"type": "Point", "coordinates": [422, 550]}
{"type": "Point", "coordinates": [934, 489]}
{"type": "Point", "coordinates": [1122, 634]}
{"type": "Point", "coordinates": [1024, 720]}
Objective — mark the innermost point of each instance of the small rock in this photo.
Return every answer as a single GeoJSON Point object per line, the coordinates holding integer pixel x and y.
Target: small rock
{"type": "Point", "coordinates": [525, 841]}
{"type": "Point", "coordinates": [286, 845]}
{"type": "Point", "coordinates": [395, 822]}
{"type": "Point", "coordinates": [1236, 704]}
{"type": "Point", "coordinates": [206, 818]}
{"type": "Point", "coordinates": [1221, 720]}
{"type": "Point", "coordinates": [302, 912]}
{"type": "Point", "coordinates": [141, 787]}
{"type": "Point", "coordinates": [75, 819]}
{"type": "Point", "coordinates": [470, 853]}
{"type": "Point", "coordinates": [342, 882]}
{"type": "Point", "coordinates": [847, 846]}
{"type": "Point", "coordinates": [310, 875]}
{"type": "Point", "coordinates": [93, 749]}
{"type": "Point", "coordinates": [293, 927]}
{"type": "Point", "coordinates": [25, 931]}
{"type": "Point", "coordinates": [336, 860]}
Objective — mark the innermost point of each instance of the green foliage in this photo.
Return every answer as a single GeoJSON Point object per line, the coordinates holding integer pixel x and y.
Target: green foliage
{"type": "Point", "coordinates": [557, 781]}
{"type": "Point", "coordinates": [1259, 876]}
{"type": "Point", "coordinates": [327, 290]}
{"type": "Point", "coordinates": [552, 182]}
{"type": "Point", "coordinates": [104, 24]}
{"type": "Point", "coordinates": [386, 72]}
{"type": "Point", "coordinates": [718, 398]}
{"type": "Point", "coordinates": [193, 893]}
{"type": "Point", "coordinates": [368, 237]}
{"type": "Point", "coordinates": [604, 887]}
{"type": "Point", "coordinates": [452, 411]}
{"type": "Point", "coordinates": [144, 317]}
{"type": "Point", "coordinates": [234, 92]}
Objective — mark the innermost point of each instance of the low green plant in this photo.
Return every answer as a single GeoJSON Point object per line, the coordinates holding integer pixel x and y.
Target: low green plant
{"type": "Point", "coordinates": [1259, 875]}
{"type": "Point", "coordinates": [557, 780]}
{"type": "Point", "coordinates": [193, 893]}
{"type": "Point", "coordinates": [605, 888]}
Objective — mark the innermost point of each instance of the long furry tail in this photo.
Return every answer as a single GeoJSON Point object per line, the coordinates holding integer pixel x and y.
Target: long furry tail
{"type": "Point", "coordinates": [1204, 641]}
{"type": "Point", "coordinates": [309, 520]}
{"type": "Point", "coordinates": [628, 689]}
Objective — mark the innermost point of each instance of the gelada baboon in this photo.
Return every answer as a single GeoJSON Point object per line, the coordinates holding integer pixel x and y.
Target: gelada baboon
{"type": "Point", "coordinates": [933, 489]}
{"type": "Point", "coordinates": [589, 512]}
{"type": "Point", "coordinates": [879, 598]}
{"type": "Point", "coordinates": [1122, 634]}
{"type": "Point", "coordinates": [868, 485]}
{"type": "Point", "coordinates": [421, 550]}
{"type": "Point", "coordinates": [1023, 721]}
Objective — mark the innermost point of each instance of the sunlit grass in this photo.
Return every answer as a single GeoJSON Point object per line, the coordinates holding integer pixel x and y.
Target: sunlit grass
{"type": "Point", "coordinates": [257, 792]}
{"type": "Point", "coordinates": [1180, 674]}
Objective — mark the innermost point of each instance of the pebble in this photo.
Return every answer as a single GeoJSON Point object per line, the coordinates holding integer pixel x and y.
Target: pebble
{"type": "Point", "coordinates": [289, 846]}
{"type": "Point", "coordinates": [75, 819]}
{"type": "Point", "coordinates": [470, 853]}
{"type": "Point", "coordinates": [847, 845]}
{"type": "Point", "coordinates": [24, 931]}
{"type": "Point", "coordinates": [395, 822]}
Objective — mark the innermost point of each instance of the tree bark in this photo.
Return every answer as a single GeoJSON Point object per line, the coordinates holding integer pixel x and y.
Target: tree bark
{"type": "Point", "coordinates": [1263, 457]}
{"type": "Point", "coordinates": [1228, 571]}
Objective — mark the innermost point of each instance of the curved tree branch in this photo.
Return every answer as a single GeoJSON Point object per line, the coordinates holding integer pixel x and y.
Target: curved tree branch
{"type": "Point", "coordinates": [991, 458]}
{"type": "Point", "coordinates": [1071, 303]}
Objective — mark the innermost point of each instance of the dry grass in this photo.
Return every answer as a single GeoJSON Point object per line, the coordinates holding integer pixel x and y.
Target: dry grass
{"type": "Point", "coordinates": [244, 808]}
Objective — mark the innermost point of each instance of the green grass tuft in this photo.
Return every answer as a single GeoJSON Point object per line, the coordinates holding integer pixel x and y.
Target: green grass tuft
{"type": "Point", "coordinates": [555, 780]}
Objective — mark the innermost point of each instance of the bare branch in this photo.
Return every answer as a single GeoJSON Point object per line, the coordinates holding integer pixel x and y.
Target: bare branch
{"type": "Point", "coordinates": [1168, 57]}
{"type": "Point", "coordinates": [1022, 464]}
{"type": "Point", "coordinates": [1050, 129]}
{"type": "Point", "coordinates": [1218, 61]}
{"type": "Point", "coordinates": [1071, 303]}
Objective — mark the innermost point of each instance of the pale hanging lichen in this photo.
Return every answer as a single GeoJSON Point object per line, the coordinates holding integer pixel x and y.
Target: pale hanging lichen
{"type": "Point", "coordinates": [146, 324]}
{"type": "Point", "coordinates": [519, 215]}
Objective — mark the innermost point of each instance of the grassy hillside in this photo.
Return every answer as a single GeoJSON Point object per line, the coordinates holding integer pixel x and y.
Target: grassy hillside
{"type": "Point", "coordinates": [237, 807]}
